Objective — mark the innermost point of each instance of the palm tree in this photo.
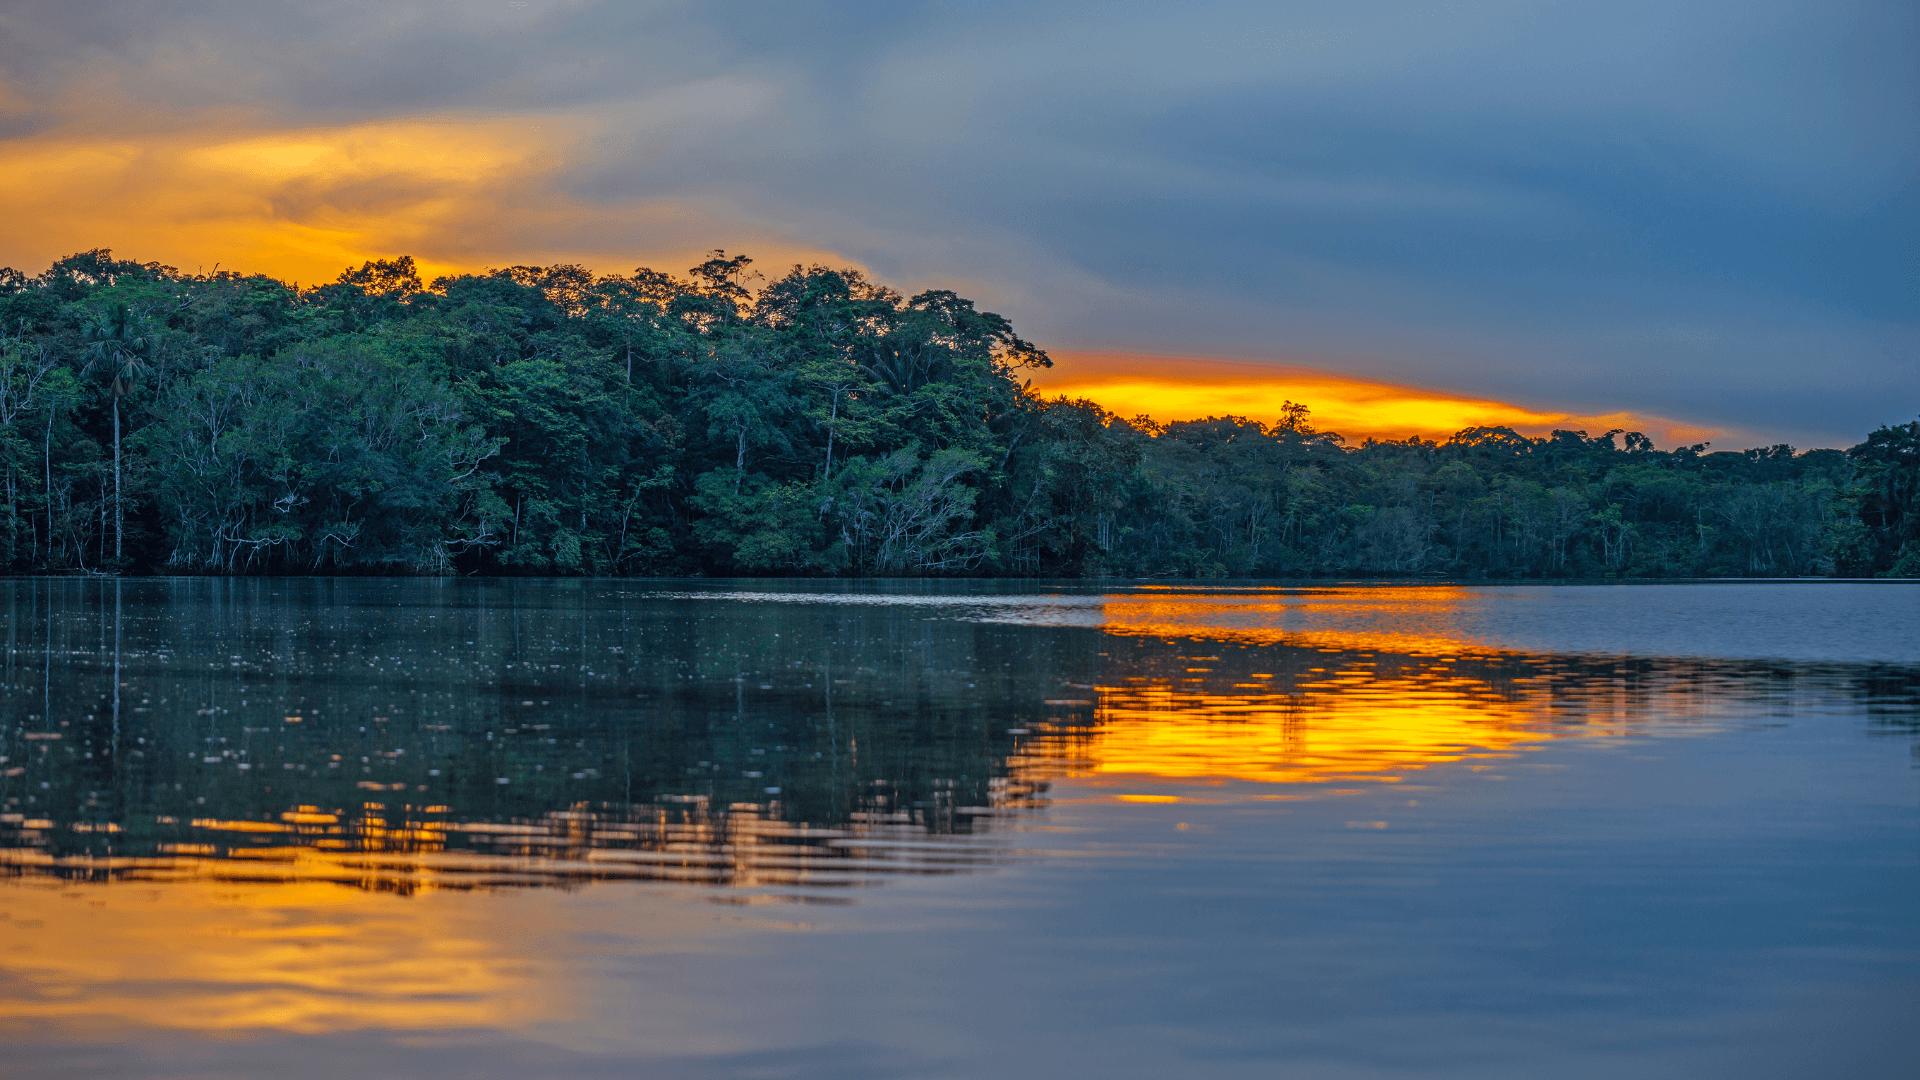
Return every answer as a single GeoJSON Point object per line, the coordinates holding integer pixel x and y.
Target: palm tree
{"type": "Point", "coordinates": [118, 339]}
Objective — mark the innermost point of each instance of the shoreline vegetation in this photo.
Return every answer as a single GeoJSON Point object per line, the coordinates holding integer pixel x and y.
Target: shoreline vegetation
{"type": "Point", "coordinates": [548, 421]}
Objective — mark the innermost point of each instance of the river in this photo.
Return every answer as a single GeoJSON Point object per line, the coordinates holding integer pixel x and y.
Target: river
{"type": "Point", "coordinates": [580, 828]}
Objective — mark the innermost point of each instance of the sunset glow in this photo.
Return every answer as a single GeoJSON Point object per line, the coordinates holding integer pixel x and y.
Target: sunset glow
{"type": "Point", "coordinates": [1189, 388]}
{"type": "Point", "coordinates": [302, 204]}
{"type": "Point", "coordinates": [460, 194]}
{"type": "Point", "coordinates": [299, 205]}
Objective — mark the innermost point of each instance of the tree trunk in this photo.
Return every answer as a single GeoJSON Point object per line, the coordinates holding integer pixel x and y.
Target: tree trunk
{"type": "Point", "coordinates": [831, 421]}
{"type": "Point", "coordinates": [47, 450]}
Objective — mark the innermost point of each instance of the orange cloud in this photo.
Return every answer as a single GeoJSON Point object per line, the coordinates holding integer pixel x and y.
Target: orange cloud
{"type": "Point", "coordinates": [1178, 388]}
{"type": "Point", "coordinates": [457, 193]}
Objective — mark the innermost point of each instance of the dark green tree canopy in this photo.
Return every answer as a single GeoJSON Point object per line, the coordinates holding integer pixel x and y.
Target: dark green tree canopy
{"type": "Point", "coordinates": [550, 420]}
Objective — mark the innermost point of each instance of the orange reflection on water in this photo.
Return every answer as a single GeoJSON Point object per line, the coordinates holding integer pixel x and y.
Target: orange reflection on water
{"type": "Point", "coordinates": [1437, 698]}
{"type": "Point", "coordinates": [1347, 728]}
{"type": "Point", "coordinates": [213, 955]}
{"type": "Point", "coordinates": [300, 937]}
{"type": "Point", "coordinates": [1422, 620]}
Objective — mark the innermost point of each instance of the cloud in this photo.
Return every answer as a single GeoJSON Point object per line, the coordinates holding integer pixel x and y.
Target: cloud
{"type": "Point", "coordinates": [1703, 210]}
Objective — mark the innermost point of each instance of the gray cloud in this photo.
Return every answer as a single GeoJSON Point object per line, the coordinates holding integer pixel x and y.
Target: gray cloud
{"type": "Point", "coordinates": [1703, 210]}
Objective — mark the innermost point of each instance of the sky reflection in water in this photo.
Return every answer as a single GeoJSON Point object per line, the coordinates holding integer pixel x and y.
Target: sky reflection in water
{"type": "Point", "coordinates": [316, 808]}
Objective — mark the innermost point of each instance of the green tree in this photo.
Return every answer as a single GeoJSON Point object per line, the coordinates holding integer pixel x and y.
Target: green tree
{"type": "Point", "coordinates": [1889, 466]}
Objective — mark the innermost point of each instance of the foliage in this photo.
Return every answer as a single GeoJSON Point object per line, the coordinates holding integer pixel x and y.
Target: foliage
{"type": "Point", "coordinates": [547, 420]}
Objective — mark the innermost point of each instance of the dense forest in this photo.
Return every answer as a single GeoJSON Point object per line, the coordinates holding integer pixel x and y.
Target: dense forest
{"type": "Point", "coordinates": [545, 420]}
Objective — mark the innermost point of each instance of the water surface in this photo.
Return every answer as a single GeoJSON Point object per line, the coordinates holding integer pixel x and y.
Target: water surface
{"type": "Point", "coordinates": [571, 828]}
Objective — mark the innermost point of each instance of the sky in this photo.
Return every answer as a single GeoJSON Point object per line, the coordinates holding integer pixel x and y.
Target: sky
{"type": "Point", "coordinates": [1696, 219]}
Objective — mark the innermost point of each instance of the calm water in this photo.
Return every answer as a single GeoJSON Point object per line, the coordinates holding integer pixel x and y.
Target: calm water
{"type": "Point", "coordinates": [607, 829]}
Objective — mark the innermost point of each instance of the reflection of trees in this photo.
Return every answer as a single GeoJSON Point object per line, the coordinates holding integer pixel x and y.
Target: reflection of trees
{"type": "Point", "coordinates": [469, 733]}
{"type": "Point", "coordinates": [429, 719]}
{"type": "Point", "coordinates": [406, 848]}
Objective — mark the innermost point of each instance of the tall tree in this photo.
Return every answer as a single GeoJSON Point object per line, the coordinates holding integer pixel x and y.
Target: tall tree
{"type": "Point", "coordinates": [119, 339]}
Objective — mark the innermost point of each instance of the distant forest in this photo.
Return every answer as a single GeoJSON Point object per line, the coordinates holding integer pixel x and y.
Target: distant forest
{"type": "Point", "coordinates": [545, 420]}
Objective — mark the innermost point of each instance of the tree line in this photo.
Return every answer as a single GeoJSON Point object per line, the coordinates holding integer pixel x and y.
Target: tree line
{"type": "Point", "coordinates": [547, 420]}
